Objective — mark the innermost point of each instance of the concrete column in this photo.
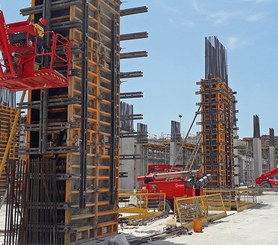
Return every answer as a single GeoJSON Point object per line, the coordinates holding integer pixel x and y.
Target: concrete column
{"type": "Point", "coordinates": [127, 148]}
{"type": "Point", "coordinates": [236, 162]}
{"type": "Point", "coordinates": [174, 149]}
{"type": "Point", "coordinates": [141, 165]}
{"type": "Point", "coordinates": [257, 155]}
{"type": "Point", "coordinates": [272, 157]}
{"type": "Point", "coordinates": [271, 149]}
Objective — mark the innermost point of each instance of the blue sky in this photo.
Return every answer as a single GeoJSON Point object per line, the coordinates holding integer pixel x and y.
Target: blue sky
{"type": "Point", "coordinates": [177, 29]}
{"type": "Point", "coordinates": [247, 28]}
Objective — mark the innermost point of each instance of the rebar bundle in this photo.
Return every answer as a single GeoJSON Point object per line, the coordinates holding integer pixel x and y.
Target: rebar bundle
{"type": "Point", "coordinates": [215, 59]}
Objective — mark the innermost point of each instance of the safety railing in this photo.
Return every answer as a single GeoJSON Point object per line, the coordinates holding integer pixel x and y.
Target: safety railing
{"type": "Point", "coordinates": [141, 205]}
{"type": "Point", "coordinates": [246, 198]}
{"type": "Point", "coordinates": [227, 196]}
{"type": "Point", "coordinates": [58, 53]}
{"type": "Point", "coordinates": [131, 191]}
{"type": "Point", "coordinates": [207, 208]}
{"type": "Point", "coordinates": [236, 199]}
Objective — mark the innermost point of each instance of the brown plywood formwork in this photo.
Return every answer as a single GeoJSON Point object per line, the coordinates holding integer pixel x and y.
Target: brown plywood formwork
{"type": "Point", "coordinates": [217, 122]}
{"type": "Point", "coordinates": [71, 183]}
{"type": "Point", "coordinates": [7, 115]}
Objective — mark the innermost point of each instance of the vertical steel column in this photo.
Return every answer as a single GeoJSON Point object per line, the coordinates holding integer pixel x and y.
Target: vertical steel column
{"type": "Point", "coordinates": [44, 92]}
{"type": "Point", "coordinates": [114, 109]}
{"type": "Point", "coordinates": [84, 106]}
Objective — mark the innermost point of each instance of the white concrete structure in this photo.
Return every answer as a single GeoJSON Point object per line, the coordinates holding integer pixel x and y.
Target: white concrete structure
{"type": "Point", "coordinates": [257, 155]}
{"type": "Point", "coordinates": [127, 148]}
{"type": "Point", "coordinates": [272, 164]}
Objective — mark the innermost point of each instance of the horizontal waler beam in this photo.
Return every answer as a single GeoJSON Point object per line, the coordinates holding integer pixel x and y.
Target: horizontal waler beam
{"type": "Point", "coordinates": [123, 174]}
{"type": "Point", "coordinates": [53, 150]}
{"type": "Point", "coordinates": [132, 117]}
{"type": "Point", "coordinates": [62, 4]}
{"type": "Point", "coordinates": [131, 36]}
{"type": "Point", "coordinates": [133, 134]}
{"type": "Point", "coordinates": [130, 157]}
{"type": "Point", "coordinates": [137, 10]}
{"type": "Point", "coordinates": [131, 74]}
{"type": "Point", "coordinates": [51, 103]}
{"type": "Point", "coordinates": [138, 54]}
{"type": "Point", "coordinates": [211, 91]}
{"type": "Point", "coordinates": [130, 95]}
{"type": "Point", "coordinates": [51, 126]}
{"type": "Point", "coordinates": [65, 25]}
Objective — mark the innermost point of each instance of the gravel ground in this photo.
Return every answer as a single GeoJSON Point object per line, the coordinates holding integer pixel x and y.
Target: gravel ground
{"type": "Point", "coordinates": [257, 226]}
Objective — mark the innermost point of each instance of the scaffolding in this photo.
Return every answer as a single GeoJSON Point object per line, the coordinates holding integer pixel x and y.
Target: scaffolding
{"type": "Point", "coordinates": [218, 117]}
{"type": "Point", "coordinates": [217, 120]}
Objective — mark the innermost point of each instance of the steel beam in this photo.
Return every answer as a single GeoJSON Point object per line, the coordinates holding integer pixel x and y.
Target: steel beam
{"type": "Point", "coordinates": [131, 36]}
{"type": "Point", "coordinates": [131, 74]}
{"type": "Point", "coordinates": [84, 107]}
{"type": "Point", "coordinates": [137, 10]}
{"type": "Point", "coordinates": [131, 95]}
{"type": "Point", "coordinates": [138, 54]}
{"type": "Point", "coordinates": [62, 4]}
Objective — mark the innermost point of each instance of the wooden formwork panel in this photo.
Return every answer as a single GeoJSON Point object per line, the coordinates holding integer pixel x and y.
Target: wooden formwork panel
{"type": "Point", "coordinates": [101, 214]}
{"type": "Point", "coordinates": [217, 105]}
{"type": "Point", "coordinates": [7, 115]}
{"type": "Point", "coordinates": [99, 218]}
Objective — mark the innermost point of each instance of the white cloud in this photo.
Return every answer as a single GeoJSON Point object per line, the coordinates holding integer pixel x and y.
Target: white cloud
{"type": "Point", "coordinates": [167, 8]}
{"type": "Point", "coordinates": [176, 16]}
{"type": "Point", "coordinates": [255, 17]}
{"type": "Point", "coordinates": [232, 42]}
{"type": "Point", "coordinates": [235, 42]}
{"type": "Point", "coordinates": [258, 1]}
{"type": "Point", "coordinates": [186, 23]}
{"type": "Point", "coordinates": [221, 17]}
{"type": "Point", "coordinates": [195, 5]}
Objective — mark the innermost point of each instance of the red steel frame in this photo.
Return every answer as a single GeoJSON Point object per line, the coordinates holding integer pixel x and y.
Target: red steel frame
{"type": "Point", "coordinates": [266, 177]}
{"type": "Point", "coordinates": [17, 68]}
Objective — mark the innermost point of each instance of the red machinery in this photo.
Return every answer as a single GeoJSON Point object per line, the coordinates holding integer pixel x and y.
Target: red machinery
{"type": "Point", "coordinates": [18, 48]}
{"type": "Point", "coordinates": [265, 179]}
{"type": "Point", "coordinates": [174, 182]}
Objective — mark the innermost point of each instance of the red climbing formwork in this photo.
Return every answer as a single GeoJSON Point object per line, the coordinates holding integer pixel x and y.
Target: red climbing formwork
{"type": "Point", "coordinates": [23, 67]}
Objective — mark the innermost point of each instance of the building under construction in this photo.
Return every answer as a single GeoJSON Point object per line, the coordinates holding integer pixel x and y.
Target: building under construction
{"type": "Point", "coordinates": [65, 191]}
{"type": "Point", "coordinates": [218, 120]}
{"type": "Point", "coordinates": [62, 164]}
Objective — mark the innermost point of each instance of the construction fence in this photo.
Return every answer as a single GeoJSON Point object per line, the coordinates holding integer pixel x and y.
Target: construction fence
{"type": "Point", "coordinates": [236, 199]}
{"type": "Point", "coordinates": [207, 208]}
{"type": "Point", "coordinates": [137, 206]}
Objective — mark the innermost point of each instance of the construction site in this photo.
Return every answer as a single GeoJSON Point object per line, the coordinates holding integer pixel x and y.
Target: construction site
{"type": "Point", "coordinates": [75, 170]}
